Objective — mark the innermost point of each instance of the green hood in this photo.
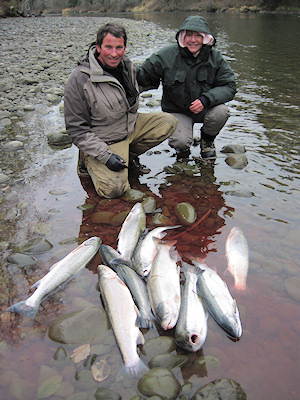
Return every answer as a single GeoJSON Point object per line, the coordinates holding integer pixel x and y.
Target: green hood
{"type": "Point", "coordinates": [194, 23]}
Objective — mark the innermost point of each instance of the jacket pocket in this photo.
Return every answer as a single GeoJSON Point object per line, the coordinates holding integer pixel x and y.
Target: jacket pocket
{"type": "Point", "coordinates": [205, 75]}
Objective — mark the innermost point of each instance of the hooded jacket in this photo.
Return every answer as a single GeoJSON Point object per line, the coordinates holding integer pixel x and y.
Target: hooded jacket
{"type": "Point", "coordinates": [185, 78]}
{"type": "Point", "coordinates": [97, 112]}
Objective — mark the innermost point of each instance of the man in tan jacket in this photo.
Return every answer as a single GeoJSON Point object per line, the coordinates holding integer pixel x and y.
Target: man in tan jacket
{"type": "Point", "coordinates": [101, 113]}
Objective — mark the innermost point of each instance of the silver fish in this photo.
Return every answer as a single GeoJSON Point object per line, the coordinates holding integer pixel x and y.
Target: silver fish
{"type": "Point", "coordinates": [131, 230]}
{"type": "Point", "coordinates": [191, 327]}
{"type": "Point", "coordinates": [218, 301]}
{"type": "Point", "coordinates": [59, 273]}
{"type": "Point", "coordinates": [146, 250]}
{"type": "Point", "coordinates": [123, 316]}
{"type": "Point", "coordinates": [164, 287]}
{"type": "Point", "coordinates": [134, 283]}
{"type": "Point", "coordinates": [237, 254]}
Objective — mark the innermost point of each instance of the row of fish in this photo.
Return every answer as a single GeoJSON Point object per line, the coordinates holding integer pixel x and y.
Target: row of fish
{"type": "Point", "coordinates": [140, 284]}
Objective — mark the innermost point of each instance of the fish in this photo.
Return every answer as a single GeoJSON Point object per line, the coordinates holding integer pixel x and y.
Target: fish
{"type": "Point", "coordinates": [191, 327]}
{"type": "Point", "coordinates": [218, 300]}
{"type": "Point", "coordinates": [123, 316]}
{"type": "Point", "coordinates": [163, 286]}
{"type": "Point", "coordinates": [59, 273]}
{"type": "Point", "coordinates": [134, 283]}
{"type": "Point", "coordinates": [237, 254]}
{"type": "Point", "coordinates": [131, 230]}
{"type": "Point", "coordinates": [146, 250]}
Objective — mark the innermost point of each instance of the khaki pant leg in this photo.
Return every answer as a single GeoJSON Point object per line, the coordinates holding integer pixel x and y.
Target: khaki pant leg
{"type": "Point", "coordinates": [150, 130]}
{"type": "Point", "coordinates": [214, 119]}
{"type": "Point", "coordinates": [110, 184]}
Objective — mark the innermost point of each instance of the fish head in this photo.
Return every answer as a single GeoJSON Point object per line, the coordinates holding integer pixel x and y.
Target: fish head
{"type": "Point", "coordinates": [106, 272]}
{"type": "Point", "coordinates": [233, 326]}
{"type": "Point", "coordinates": [167, 314]}
{"type": "Point", "coordinates": [191, 341]}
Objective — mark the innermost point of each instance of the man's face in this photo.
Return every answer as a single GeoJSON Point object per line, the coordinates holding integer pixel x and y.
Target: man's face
{"type": "Point", "coordinates": [111, 51]}
{"type": "Point", "coordinates": [193, 41]}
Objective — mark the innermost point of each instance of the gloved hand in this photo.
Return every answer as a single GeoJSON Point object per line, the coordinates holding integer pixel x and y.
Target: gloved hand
{"type": "Point", "coordinates": [115, 163]}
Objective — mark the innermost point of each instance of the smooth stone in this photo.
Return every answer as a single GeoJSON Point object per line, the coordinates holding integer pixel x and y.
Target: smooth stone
{"type": "Point", "coordinates": [60, 354]}
{"type": "Point", "coordinates": [186, 213]}
{"type": "Point", "coordinates": [234, 148]}
{"type": "Point", "coordinates": [119, 218]}
{"type": "Point", "coordinates": [106, 394]}
{"type": "Point", "coordinates": [240, 193]}
{"type": "Point", "coordinates": [49, 382]}
{"type": "Point", "coordinates": [149, 204]}
{"type": "Point", "coordinates": [20, 389]}
{"type": "Point", "coordinates": [292, 286]}
{"type": "Point", "coordinates": [58, 139]}
{"type": "Point", "coordinates": [5, 121]}
{"type": "Point", "coordinates": [4, 178]}
{"type": "Point", "coordinates": [159, 219]}
{"type": "Point", "coordinates": [207, 360]}
{"type": "Point", "coordinates": [84, 380]}
{"type": "Point", "coordinates": [102, 217]}
{"type": "Point", "coordinates": [79, 327]}
{"type": "Point", "coordinates": [158, 345]}
{"type": "Point", "coordinates": [36, 246]}
{"type": "Point", "coordinates": [23, 260]}
{"type": "Point", "coordinates": [237, 161]}
{"type": "Point", "coordinates": [14, 145]}
{"type": "Point", "coordinates": [160, 382]}
{"type": "Point", "coordinates": [168, 361]}
{"type": "Point", "coordinates": [133, 195]}
{"type": "Point", "coordinates": [222, 389]}
{"type": "Point", "coordinates": [57, 192]}
{"type": "Point", "coordinates": [79, 396]}
{"type": "Point", "coordinates": [29, 107]}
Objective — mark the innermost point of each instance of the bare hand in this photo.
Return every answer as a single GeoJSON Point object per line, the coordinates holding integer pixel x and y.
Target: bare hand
{"type": "Point", "coordinates": [196, 107]}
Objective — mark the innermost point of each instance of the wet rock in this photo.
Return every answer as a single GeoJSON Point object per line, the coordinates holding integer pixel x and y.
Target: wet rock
{"type": "Point", "coordinates": [186, 213]}
{"type": "Point", "coordinates": [58, 139]}
{"type": "Point", "coordinates": [36, 246]}
{"type": "Point", "coordinates": [58, 192]}
{"type": "Point", "coordinates": [159, 220]}
{"type": "Point", "coordinates": [49, 382]}
{"type": "Point", "coordinates": [237, 161]}
{"type": "Point", "coordinates": [106, 394]}
{"type": "Point", "coordinates": [207, 361]}
{"type": "Point", "coordinates": [133, 195]}
{"type": "Point", "coordinates": [168, 361]}
{"type": "Point", "coordinates": [20, 389]}
{"type": "Point", "coordinates": [102, 217]}
{"type": "Point", "coordinates": [149, 204]}
{"type": "Point", "coordinates": [160, 382]}
{"type": "Point", "coordinates": [79, 396]}
{"type": "Point", "coordinates": [119, 218]}
{"type": "Point", "coordinates": [22, 260]}
{"type": "Point", "coordinates": [234, 148]}
{"type": "Point", "coordinates": [14, 145]}
{"type": "Point", "coordinates": [239, 193]}
{"type": "Point", "coordinates": [60, 354]}
{"type": "Point", "coordinates": [79, 327]}
{"type": "Point", "coordinates": [84, 380]}
{"type": "Point", "coordinates": [158, 345]}
{"type": "Point", "coordinates": [221, 389]}
{"type": "Point", "coordinates": [4, 178]}
{"type": "Point", "coordinates": [29, 107]}
{"type": "Point", "coordinates": [292, 285]}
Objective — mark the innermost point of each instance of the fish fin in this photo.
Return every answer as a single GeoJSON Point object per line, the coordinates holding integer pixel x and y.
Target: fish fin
{"type": "Point", "coordinates": [145, 322]}
{"type": "Point", "coordinates": [135, 371]}
{"type": "Point", "coordinates": [22, 308]}
{"type": "Point", "coordinates": [193, 268]}
{"type": "Point", "coordinates": [36, 284]}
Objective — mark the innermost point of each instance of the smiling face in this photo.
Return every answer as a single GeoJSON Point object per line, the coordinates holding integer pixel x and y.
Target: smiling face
{"type": "Point", "coordinates": [193, 41]}
{"type": "Point", "coordinates": [111, 51]}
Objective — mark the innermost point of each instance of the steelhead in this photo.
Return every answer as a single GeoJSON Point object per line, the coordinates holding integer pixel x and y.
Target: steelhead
{"type": "Point", "coordinates": [164, 287]}
{"type": "Point", "coordinates": [237, 255]}
{"type": "Point", "coordinates": [191, 327]}
{"type": "Point", "coordinates": [134, 283]}
{"type": "Point", "coordinates": [123, 316]}
{"type": "Point", "coordinates": [146, 250]}
{"type": "Point", "coordinates": [218, 301]}
{"type": "Point", "coordinates": [131, 230]}
{"type": "Point", "coordinates": [59, 273]}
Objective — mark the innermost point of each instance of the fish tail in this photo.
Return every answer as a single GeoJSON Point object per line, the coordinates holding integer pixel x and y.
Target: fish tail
{"type": "Point", "coordinates": [135, 371]}
{"type": "Point", "coordinates": [145, 322]}
{"type": "Point", "coordinates": [194, 268]}
{"type": "Point", "coordinates": [22, 308]}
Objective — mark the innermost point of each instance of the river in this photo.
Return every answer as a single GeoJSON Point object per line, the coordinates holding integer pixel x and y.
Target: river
{"type": "Point", "coordinates": [45, 199]}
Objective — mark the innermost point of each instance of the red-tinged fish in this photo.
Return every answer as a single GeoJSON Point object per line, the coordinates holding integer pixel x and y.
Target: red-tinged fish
{"type": "Point", "coordinates": [237, 254]}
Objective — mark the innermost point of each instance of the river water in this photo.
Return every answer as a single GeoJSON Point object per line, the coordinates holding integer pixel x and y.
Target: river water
{"type": "Point", "coordinates": [262, 199]}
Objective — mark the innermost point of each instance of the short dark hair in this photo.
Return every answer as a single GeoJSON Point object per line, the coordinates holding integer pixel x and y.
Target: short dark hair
{"type": "Point", "coordinates": [114, 29]}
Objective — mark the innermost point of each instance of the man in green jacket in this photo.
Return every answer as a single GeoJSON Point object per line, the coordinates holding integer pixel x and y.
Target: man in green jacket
{"type": "Point", "coordinates": [196, 82]}
{"type": "Point", "coordinates": [101, 113]}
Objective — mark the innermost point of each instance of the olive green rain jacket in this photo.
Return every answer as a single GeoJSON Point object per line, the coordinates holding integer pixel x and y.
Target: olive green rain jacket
{"type": "Point", "coordinates": [185, 78]}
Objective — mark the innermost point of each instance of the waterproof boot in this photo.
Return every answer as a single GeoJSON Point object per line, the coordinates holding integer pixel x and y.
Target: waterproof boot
{"type": "Point", "coordinates": [182, 154]}
{"type": "Point", "coordinates": [208, 150]}
{"type": "Point", "coordinates": [134, 163]}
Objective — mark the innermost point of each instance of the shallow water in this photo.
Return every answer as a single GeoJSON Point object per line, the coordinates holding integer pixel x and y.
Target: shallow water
{"type": "Point", "coordinates": [262, 199]}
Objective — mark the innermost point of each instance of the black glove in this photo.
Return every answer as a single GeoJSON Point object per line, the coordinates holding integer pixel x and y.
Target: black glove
{"type": "Point", "coordinates": [115, 163]}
